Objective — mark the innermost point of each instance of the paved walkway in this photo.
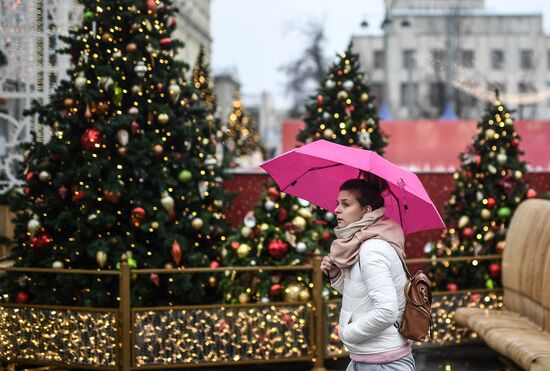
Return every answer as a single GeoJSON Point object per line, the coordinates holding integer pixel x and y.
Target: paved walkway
{"type": "Point", "coordinates": [472, 357]}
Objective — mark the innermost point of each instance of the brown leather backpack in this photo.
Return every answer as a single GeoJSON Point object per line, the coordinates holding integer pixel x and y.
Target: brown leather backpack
{"type": "Point", "coordinates": [417, 318]}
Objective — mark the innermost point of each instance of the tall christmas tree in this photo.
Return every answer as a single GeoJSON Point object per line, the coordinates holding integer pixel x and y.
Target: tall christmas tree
{"type": "Point", "coordinates": [130, 169]}
{"type": "Point", "coordinates": [202, 82]}
{"type": "Point", "coordinates": [489, 186]}
{"type": "Point", "coordinates": [241, 135]}
{"type": "Point", "coordinates": [281, 230]}
{"type": "Point", "coordinates": [343, 109]}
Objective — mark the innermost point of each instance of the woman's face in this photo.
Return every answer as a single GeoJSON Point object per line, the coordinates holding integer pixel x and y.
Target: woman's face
{"type": "Point", "coordinates": [348, 209]}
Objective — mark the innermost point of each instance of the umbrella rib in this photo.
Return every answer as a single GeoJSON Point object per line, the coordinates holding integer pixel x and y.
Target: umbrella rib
{"type": "Point", "coordinates": [293, 183]}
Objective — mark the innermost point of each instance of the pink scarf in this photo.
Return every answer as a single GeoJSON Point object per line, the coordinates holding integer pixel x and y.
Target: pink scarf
{"type": "Point", "coordinates": [345, 248]}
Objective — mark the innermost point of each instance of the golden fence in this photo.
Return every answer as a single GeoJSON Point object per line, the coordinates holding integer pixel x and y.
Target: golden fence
{"type": "Point", "coordinates": [129, 338]}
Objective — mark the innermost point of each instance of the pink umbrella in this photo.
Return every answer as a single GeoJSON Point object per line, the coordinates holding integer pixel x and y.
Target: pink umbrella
{"type": "Point", "coordinates": [315, 172]}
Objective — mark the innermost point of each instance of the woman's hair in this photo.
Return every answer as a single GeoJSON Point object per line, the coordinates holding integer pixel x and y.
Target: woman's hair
{"type": "Point", "coordinates": [367, 191]}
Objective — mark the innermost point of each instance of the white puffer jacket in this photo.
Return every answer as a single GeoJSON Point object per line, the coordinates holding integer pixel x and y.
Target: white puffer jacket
{"type": "Point", "coordinates": [373, 300]}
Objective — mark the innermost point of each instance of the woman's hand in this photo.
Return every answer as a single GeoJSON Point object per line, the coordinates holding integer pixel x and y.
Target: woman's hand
{"type": "Point", "coordinates": [328, 266]}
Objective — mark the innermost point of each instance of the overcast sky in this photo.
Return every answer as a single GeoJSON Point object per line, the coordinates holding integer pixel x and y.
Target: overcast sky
{"type": "Point", "coordinates": [258, 36]}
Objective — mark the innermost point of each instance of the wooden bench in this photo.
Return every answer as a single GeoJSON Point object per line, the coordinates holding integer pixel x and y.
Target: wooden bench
{"type": "Point", "coordinates": [521, 332]}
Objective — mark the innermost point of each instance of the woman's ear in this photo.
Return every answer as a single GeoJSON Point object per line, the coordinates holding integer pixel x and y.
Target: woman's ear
{"type": "Point", "coordinates": [367, 209]}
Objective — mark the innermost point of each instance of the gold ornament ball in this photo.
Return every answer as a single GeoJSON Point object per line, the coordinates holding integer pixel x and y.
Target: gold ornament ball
{"type": "Point", "coordinates": [292, 292]}
{"type": "Point", "coordinates": [106, 37]}
{"type": "Point", "coordinates": [163, 118]}
{"type": "Point", "coordinates": [154, 225]}
{"type": "Point", "coordinates": [121, 151]}
{"type": "Point", "coordinates": [264, 227]}
{"type": "Point", "coordinates": [299, 223]}
{"type": "Point", "coordinates": [485, 213]}
{"type": "Point", "coordinates": [518, 174]}
{"type": "Point", "coordinates": [212, 281]}
{"type": "Point", "coordinates": [197, 223]}
{"type": "Point", "coordinates": [210, 119]}
{"type": "Point", "coordinates": [304, 295]}
{"type": "Point", "coordinates": [243, 250]}
{"type": "Point", "coordinates": [158, 149]}
{"type": "Point", "coordinates": [305, 213]}
{"type": "Point", "coordinates": [245, 232]}
{"type": "Point", "coordinates": [463, 221]}
{"type": "Point", "coordinates": [489, 133]}
{"type": "Point", "coordinates": [131, 47]}
{"type": "Point", "coordinates": [244, 298]}
{"type": "Point", "coordinates": [342, 94]}
{"type": "Point", "coordinates": [364, 97]}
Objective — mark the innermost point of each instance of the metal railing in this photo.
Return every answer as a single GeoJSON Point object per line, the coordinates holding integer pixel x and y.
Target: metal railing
{"type": "Point", "coordinates": [125, 316]}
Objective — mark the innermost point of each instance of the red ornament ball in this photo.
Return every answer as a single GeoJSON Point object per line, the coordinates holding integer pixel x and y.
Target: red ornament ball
{"type": "Point", "coordinates": [235, 245]}
{"type": "Point", "coordinates": [165, 42]}
{"type": "Point", "coordinates": [531, 193]}
{"type": "Point", "coordinates": [91, 139]}
{"type": "Point", "coordinates": [214, 264]}
{"type": "Point", "coordinates": [495, 269]}
{"type": "Point", "coordinates": [275, 289]}
{"type": "Point", "coordinates": [468, 232]}
{"type": "Point", "coordinates": [282, 215]}
{"type": "Point", "coordinates": [452, 287]}
{"type": "Point", "coordinates": [277, 248]}
{"type": "Point", "coordinates": [273, 193]}
{"type": "Point", "coordinates": [491, 202]}
{"type": "Point", "coordinates": [319, 100]}
{"type": "Point", "coordinates": [22, 298]}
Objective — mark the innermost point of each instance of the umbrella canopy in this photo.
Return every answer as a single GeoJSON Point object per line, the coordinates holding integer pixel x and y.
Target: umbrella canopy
{"type": "Point", "coordinates": [316, 171]}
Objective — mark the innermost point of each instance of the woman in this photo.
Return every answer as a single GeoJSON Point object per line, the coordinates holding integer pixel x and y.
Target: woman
{"type": "Point", "coordinates": [365, 267]}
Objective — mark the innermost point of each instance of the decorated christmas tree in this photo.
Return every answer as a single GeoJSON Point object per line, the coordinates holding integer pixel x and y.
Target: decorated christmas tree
{"type": "Point", "coordinates": [281, 230]}
{"type": "Point", "coordinates": [242, 137]}
{"type": "Point", "coordinates": [488, 187]}
{"type": "Point", "coordinates": [343, 109]}
{"type": "Point", "coordinates": [130, 170]}
{"type": "Point", "coordinates": [201, 82]}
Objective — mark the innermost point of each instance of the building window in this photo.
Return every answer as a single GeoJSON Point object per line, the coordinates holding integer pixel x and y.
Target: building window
{"type": "Point", "coordinates": [467, 58]}
{"type": "Point", "coordinates": [497, 59]}
{"type": "Point", "coordinates": [378, 59]}
{"type": "Point", "coordinates": [409, 93]}
{"type": "Point", "coordinates": [377, 89]}
{"type": "Point", "coordinates": [438, 58]}
{"type": "Point", "coordinates": [494, 86]}
{"type": "Point", "coordinates": [527, 59]}
{"type": "Point", "coordinates": [409, 59]}
{"type": "Point", "coordinates": [437, 95]}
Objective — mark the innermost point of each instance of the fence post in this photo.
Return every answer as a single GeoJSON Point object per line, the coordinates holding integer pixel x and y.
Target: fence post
{"type": "Point", "coordinates": [319, 315]}
{"type": "Point", "coordinates": [125, 359]}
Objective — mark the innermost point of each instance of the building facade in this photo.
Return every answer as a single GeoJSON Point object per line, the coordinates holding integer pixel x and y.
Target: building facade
{"type": "Point", "coordinates": [442, 52]}
{"type": "Point", "coordinates": [193, 28]}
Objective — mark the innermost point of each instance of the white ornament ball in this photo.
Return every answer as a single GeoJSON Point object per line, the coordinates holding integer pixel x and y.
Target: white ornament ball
{"type": "Point", "coordinates": [122, 136]}
{"type": "Point", "coordinates": [330, 84]}
{"type": "Point", "coordinates": [57, 264]}
{"type": "Point", "coordinates": [329, 217]}
{"type": "Point", "coordinates": [348, 84]}
{"type": "Point", "coordinates": [250, 220]}
{"type": "Point", "coordinates": [428, 247]}
{"type": "Point", "coordinates": [44, 176]}
{"type": "Point", "coordinates": [501, 158]}
{"type": "Point", "coordinates": [326, 116]}
{"type": "Point", "coordinates": [265, 300]}
{"type": "Point", "coordinates": [303, 202]}
{"type": "Point", "coordinates": [80, 82]}
{"type": "Point", "coordinates": [301, 247]}
{"type": "Point", "coordinates": [328, 133]}
{"type": "Point", "coordinates": [33, 226]}
{"type": "Point", "coordinates": [269, 205]}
